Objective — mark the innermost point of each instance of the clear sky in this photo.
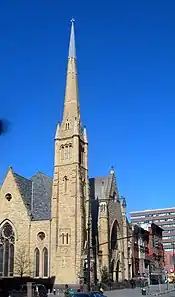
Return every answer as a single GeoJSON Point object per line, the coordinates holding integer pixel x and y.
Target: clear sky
{"type": "Point", "coordinates": [126, 66]}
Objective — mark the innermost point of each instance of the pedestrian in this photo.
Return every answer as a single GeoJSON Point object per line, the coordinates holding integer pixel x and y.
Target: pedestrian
{"type": "Point", "coordinates": [132, 283]}
{"type": "Point", "coordinates": [54, 291]}
{"type": "Point", "coordinates": [66, 290]}
{"type": "Point", "coordinates": [101, 289]}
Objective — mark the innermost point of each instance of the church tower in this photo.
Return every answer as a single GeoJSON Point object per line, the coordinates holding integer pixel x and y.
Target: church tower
{"type": "Point", "coordinates": [70, 184]}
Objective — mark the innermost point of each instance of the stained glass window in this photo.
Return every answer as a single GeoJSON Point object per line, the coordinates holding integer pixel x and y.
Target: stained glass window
{"type": "Point", "coordinates": [1, 259]}
{"type": "Point", "coordinates": [6, 258]}
{"type": "Point", "coordinates": [7, 240]}
{"type": "Point", "coordinates": [11, 264]}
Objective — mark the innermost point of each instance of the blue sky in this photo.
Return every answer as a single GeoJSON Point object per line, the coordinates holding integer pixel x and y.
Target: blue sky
{"type": "Point", "coordinates": [126, 66]}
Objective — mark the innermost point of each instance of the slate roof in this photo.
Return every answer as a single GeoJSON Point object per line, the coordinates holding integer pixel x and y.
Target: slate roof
{"type": "Point", "coordinates": [25, 188]}
{"type": "Point", "coordinates": [36, 193]}
{"type": "Point", "coordinates": [42, 192]}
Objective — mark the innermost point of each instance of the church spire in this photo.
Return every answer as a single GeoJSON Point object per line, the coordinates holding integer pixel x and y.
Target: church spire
{"type": "Point", "coordinates": [71, 104]}
{"type": "Point", "coordinates": [72, 49]}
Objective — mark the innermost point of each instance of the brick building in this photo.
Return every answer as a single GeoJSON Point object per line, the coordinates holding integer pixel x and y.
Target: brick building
{"type": "Point", "coordinates": [140, 251]}
{"type": "Point", "coordinates": [156, 250]}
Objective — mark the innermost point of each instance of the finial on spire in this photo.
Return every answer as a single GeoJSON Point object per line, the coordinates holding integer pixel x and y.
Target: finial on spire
{"type": "Point", "coordinates": [112, 170]}
{"type": "Point", "coordinates": [72, 51]}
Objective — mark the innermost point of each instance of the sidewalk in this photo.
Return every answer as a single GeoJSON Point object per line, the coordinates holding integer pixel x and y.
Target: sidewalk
{"type": "Point", "coordinates": [154, 290]}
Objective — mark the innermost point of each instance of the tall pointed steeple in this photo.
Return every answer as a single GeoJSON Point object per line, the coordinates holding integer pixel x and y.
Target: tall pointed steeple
{"type": "Point", "coordinates": [71, 104]}
{"type": "Point", "coordinates": [72, 49]}
{"type": "Point", "coordinates": [70, 184]}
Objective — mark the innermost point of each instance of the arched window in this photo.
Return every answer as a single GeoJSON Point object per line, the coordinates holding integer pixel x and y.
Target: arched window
{"type": "Point", "coordinates": [65, 184]}
{"type": "Point", "coordinates": [81, 155]}
{"type": "Point", "coordinates": [70, 151]}
{"type": "Point", "coordinates": [45, 262]}
{"type": "Point", "coordinates": [7, 239]}
{"type": "Point", "coordinates": [6, 258]}
{"type": "Point", "coordinates": [62, 238]}
{"type": "Point", "coordinates": [114, 239]}
{"type": "Point", "coordinates": [67, 125]}
{"type": "Point", "coordinates": [66, 152]}
{"type": "Point", "coordinates": [62, 152]}
{"type": "Point", "coordinates": [37, 262]}
{"type": "Point", "coordinates": [67, 238]}
{"type": "Point", "coordinates": [11, 259]}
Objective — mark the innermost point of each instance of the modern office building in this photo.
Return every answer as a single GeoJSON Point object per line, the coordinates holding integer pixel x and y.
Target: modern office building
{"type": "Point", "coordinates": [165, 218]}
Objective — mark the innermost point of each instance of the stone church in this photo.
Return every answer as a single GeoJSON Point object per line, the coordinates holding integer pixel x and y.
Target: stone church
{"type": "Point", "coordinates": [43, 220]}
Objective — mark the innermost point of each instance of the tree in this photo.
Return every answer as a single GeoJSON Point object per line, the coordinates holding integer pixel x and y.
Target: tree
{"type": "Point", "coordinates": [104, 274]}
{"type": "Point", "coordinates": [22, 262]}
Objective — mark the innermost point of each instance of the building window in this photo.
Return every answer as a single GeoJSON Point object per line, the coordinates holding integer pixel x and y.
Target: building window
{"type": "Point", "coordinates": [65, 184]}
{"type": "Point", "coordinates": [11, 259]}
{"type": "Point", "coordinates": [41, 236]}
{"type": "Point", "coordinates": [37, 262]}
{"type": "Point", "coordinates": [66, 152]}
{"type": "Point", "coordinates": [67, 238]}
{"type": "Point", "coordinates": [45, 262]}
{"type": "Point", "coordinates": [6, 260]}
{"type": "Point", "coordinates": [81, 154]}
{"type": "Point", "coordinates": [8, 196]}
{"type": "Point", "coordinates": [62, 152]}
{"type": "Point", "coordinates": [7, 239]}
{"type": "Point", "coordinates": [67, 125]}
{"type": "Point", "coordinates": [62, 238]}
{"type": "Point", "coordinates": [70, 151]}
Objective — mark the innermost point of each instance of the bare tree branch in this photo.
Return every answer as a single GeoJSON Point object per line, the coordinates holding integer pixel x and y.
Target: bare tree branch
{"type": "Point", "coordinates": [22, 262]}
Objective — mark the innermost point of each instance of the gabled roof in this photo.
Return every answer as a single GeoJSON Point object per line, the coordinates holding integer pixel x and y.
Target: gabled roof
{"type": "Point", "coordinates": [25, 189]}
{"type": "Point", "coordinates": [36, 193]}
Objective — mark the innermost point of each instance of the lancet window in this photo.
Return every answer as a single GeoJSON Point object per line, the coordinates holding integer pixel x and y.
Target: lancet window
{"type": "Point", "coordinates": [7, 240]}
{"type": "Point", "coordinates": [81, 155]}
{"type": "Point", "coordinates": [67, 125]}
{"type": "Point", "coordinates": [65, 184]}
{"type": "Point", "coordinates": [45, 262]}
{"type": "Point", "coordinates": [65, 238]}
{"type": "Point", "coordinates": [66, 152]}
{"type": "Point", "coordinates": [37, 262]}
